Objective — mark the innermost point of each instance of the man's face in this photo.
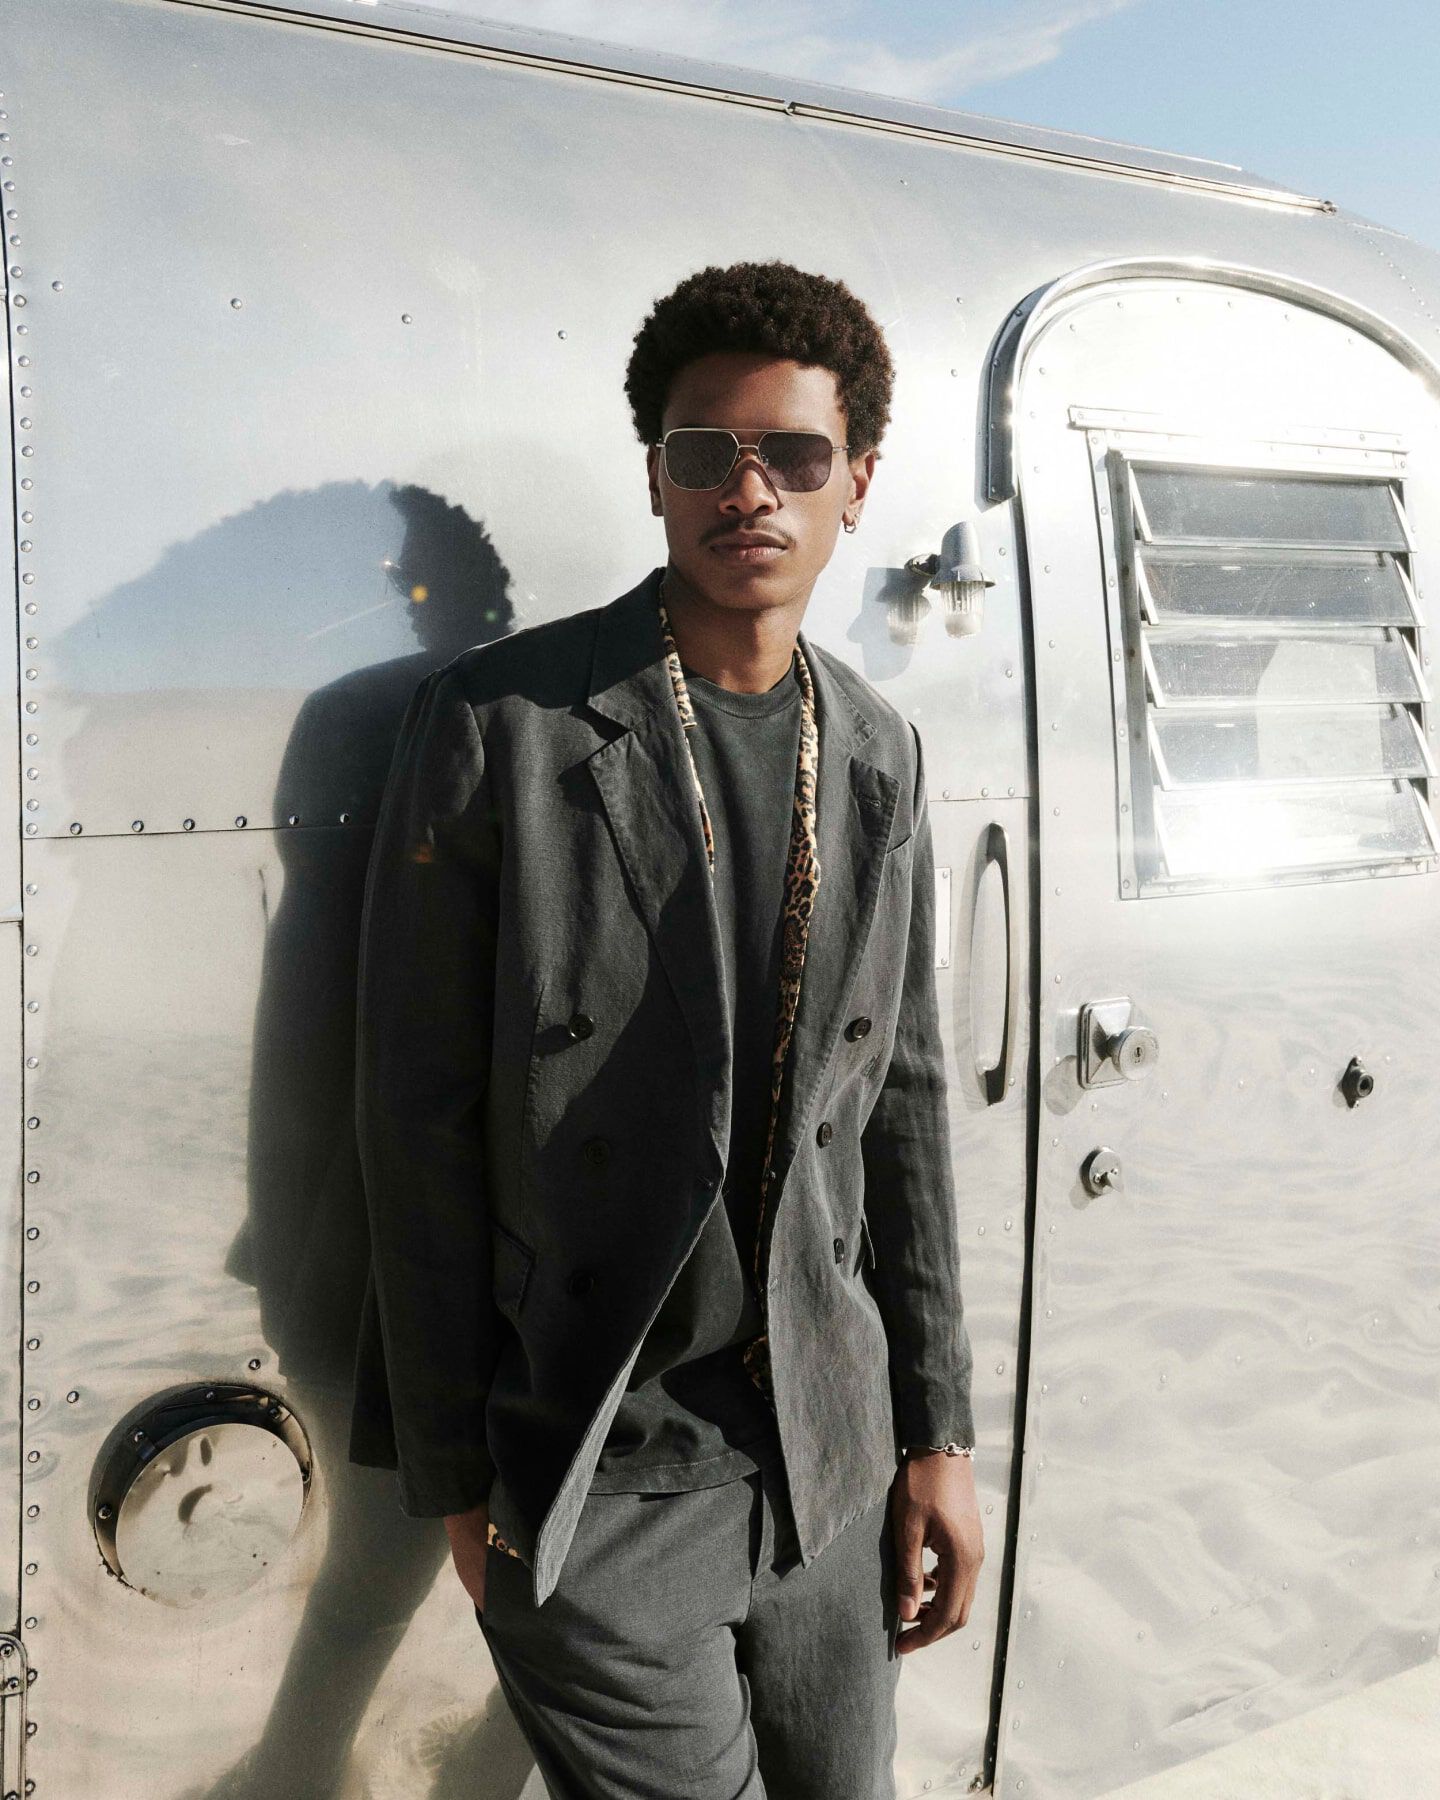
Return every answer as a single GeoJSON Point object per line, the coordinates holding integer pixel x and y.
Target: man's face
{"type": "Point", "coordinates": [748, 544]}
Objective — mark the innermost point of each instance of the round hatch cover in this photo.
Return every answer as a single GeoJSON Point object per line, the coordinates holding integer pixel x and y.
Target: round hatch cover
{"type": "Point", "coordinates": [200, 1491]}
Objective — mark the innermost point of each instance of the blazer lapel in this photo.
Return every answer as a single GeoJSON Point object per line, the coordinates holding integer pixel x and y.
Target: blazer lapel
{"type": "Point", "coordinates": [855, 804]}
{"type": "Point", "coordinates": [643, 782]}
{"type": "Point", "coordinates": [644, 785]}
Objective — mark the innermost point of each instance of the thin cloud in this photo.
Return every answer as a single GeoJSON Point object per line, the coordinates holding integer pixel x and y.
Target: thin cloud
{"type": "Point", "coordinates": [985, 43]}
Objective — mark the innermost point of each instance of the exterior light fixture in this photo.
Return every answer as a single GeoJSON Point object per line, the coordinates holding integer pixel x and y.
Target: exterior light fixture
{"type": "Point", "coordinates": [955, 574]}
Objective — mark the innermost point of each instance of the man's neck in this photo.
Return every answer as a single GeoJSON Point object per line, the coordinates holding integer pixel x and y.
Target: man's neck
{"type": "Point", "coordinates": [746, 652]}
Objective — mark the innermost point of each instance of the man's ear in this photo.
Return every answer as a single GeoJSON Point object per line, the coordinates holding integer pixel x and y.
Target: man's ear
{"type": "Point", "coordinates": [862, 471]}
{"type": "Point", "coordinates": [652, 469]}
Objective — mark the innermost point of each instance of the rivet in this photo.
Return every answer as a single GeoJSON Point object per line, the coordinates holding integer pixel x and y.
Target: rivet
{"type": "Point", "coordinates": [32, 949]}
{"type": "Point", "coordinates": [30, 1625]}
{"type": "Point", "coordinates": [25, 424]}
{"type": "Point", "coordinates": [31, 738]}
{"type": "Point", "coordinates": [187, 824]}
{"type": "Point", "coordinates": [33, 1457]}
{"type": "Point", "coordinates": [32, 806]}
{"type": "Point", "coordinates": [32, 706]}
{"type": "Point", "coordinates": [32, 1122]}
{"type": "Point", "coordinates": [76, 828]}
{"type": "Point", "coordinates": [405, 319]}
{"type": "Point", "coordinates": [32, 774]}
{"type": "Point", "coordinates": [344, 818]}
{"type": "Point", "coordinates": [240, 820]}
{"type": "Point", "coordinates": [32, 1512]}
{"type": "Point", "coordinates": [31, 674]}
{"type": "Point", "coordinates": [73, 1396]}
{"type": "Point", "coordinates": [26, 449]}
{"type": "Point", "coordinates": [33, 1404]}
{"type": "Point", "coordinates": [237, 304]}
{"type": "Point", "coordinates": [254, 1363]}
{"type": "Point", "coordinates": [294, 819]}
{"type": "Point", "coordinates": [32, 1175]}
{"type": "Point", "coordinates": [560, 334]}
{"type": "Point", "coordinates": [137, 824]}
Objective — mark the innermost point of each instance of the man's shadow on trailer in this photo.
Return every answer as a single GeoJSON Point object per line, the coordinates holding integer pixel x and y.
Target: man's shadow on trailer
{"type": "Point", "coordinates": [304, 1244]}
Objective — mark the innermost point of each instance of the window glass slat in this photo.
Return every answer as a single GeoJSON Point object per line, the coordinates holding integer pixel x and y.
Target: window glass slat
{"type": "Point", "coordinates": [1289, 671]}
{"type": "Point", "coordinates": [1243, 834]}
{"type": "Point", "coordinates": [1264, 507]}
{"type": "Point", "coordinates": [1287, 744]}
{"type": "Point", "coordinates": [1362, 587]}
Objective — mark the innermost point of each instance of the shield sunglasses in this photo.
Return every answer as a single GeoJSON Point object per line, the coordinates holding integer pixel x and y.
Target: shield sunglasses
{"type": "Point", "coordinates": [700, 457]}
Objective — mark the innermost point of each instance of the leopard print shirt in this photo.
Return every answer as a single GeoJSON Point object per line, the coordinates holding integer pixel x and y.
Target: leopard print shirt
{"type": "Point", "coordinates": [802, 880]}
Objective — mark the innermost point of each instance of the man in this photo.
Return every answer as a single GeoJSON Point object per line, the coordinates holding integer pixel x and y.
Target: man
{"type": "Point", "coordinates": [652, 1115]}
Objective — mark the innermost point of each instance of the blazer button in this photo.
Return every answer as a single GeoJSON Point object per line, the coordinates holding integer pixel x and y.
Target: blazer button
{"type": "Point", "coordinates": [825, 1132]}
{"type": "Point", "coordinates": [581, 1025]}
{"type": "Point", "coordinates": [596, 1151]}
{"type": "Point", "coordinates": [839, 1249]}
{"type": "Point", "coordinates": [580, 1282]}
{"type": "Point", "coordinates": [857, 1028]}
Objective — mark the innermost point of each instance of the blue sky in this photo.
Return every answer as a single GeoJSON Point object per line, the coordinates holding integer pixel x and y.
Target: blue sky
{"type": "Point", "coordinates": [1334, 96]}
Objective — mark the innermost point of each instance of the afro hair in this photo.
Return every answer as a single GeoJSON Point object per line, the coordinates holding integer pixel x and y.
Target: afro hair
{"type": "Point", "coordinates": [769, 309]}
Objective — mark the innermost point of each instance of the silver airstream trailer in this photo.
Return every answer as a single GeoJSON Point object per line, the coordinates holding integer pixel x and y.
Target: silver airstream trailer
{"type": "Point", "coordinates": [317, 319]}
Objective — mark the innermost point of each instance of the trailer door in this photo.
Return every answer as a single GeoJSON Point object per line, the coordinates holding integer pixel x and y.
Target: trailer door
{"type": "Point", "coordinates": [1227, 1510]}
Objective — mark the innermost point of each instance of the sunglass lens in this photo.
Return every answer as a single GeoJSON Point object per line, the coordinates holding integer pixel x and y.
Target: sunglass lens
{"type": "Point", "coordinates": [799, 460]}
{"type": "Point", "coordinates": [699, 459]}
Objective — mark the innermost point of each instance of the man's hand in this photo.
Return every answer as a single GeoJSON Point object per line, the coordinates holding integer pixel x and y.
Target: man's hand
{"type": "Point", "coordinates": [469, 1534]}
{"type": "Point", "coordinates": [932, 1503]}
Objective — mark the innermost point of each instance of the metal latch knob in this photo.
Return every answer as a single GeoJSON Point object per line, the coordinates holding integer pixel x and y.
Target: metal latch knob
{"type": "Point", "coordinates": [1113, 1047]}
{"type": "Point", "coordinates": [1134, 1051]}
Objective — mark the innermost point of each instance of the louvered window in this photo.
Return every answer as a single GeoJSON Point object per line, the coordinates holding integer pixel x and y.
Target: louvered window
{"type": "Point", "coordinates": [1273, 707]}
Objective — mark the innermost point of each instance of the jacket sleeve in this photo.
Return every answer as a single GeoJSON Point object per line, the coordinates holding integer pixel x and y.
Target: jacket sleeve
{"type": "Point", "coordinates": [425, 1004]}
{"type": "Point", "coordinates": [909, 1189]}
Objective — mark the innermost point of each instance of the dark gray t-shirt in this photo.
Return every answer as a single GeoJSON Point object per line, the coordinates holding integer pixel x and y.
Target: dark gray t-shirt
{"type": "Point", "coordinates": [691, 1417]}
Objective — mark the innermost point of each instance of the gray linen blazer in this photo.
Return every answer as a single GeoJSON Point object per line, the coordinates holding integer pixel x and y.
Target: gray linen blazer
{"type": "Point", "coordinates": [543, 1089]}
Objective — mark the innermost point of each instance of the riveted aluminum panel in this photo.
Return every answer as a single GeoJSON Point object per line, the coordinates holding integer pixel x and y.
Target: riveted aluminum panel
{"type": "Point", "coordinates": [439, 261]}
{"type": "Point", "coordinates": [13, 1247]}
{"type": "Point", "coordinates": [1230, 1436]}
{"type": "Point", "coordinates": [944, 1699]}
{"type": "Point", "coordinates": [461, 31]}
{"type": "Point", "coordinates": [201, 1219]}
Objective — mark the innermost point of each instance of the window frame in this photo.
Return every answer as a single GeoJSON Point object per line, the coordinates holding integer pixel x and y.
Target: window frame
{"type": "Point", "coordinates": [1116, 443]}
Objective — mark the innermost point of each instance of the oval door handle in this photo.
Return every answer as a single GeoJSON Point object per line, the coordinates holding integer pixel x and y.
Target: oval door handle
{"type": "Point", "coordinates": [995, 848]}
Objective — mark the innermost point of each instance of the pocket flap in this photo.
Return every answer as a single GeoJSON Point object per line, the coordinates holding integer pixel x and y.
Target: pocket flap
{"type": "Point", "coordinates": [512, 1259]}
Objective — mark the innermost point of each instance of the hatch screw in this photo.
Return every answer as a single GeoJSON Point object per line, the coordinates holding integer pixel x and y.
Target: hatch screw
{"type": "Point", "coordinates": [1357, 1083]}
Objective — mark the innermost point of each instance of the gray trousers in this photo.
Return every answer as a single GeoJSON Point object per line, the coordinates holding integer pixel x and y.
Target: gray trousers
{"type": "Point", "coordinates": [687, 1655]}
